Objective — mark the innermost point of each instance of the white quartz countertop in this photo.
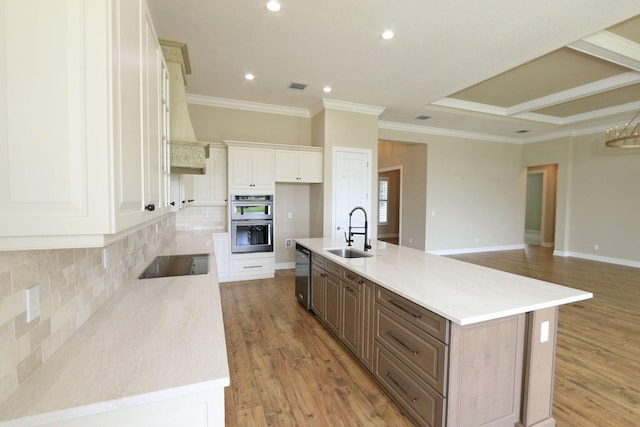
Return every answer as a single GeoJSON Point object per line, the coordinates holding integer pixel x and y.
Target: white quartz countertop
{"type": "Point", "coordinates": [461, 292]}
{"type": "Point", "coordinates": [155, 339]}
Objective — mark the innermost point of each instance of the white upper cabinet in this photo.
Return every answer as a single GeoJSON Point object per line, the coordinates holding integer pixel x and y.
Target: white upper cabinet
{"type": "Point", "coordinates": [299, 165]}
{"type": "Point", "coordinates": [211, 189]}
{"type": "Point", "coordinates": [251, 167]}
{"type": "Point", "coordinates": [81, 122]}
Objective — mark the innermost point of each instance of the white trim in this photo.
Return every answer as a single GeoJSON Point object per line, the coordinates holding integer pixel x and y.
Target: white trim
{"type": "Point", "coordinates": [610, 47]}
{"type": "Point", "coordinates": [332, 104]}
{"type": "Point", "coordinates": [477, 250]}
{"type": "Point", "coordinates": [608, 260]}
{"type": "Point", "coordinates": [247, 106]}
{"type": "Point", "coordinates": [447, 132]}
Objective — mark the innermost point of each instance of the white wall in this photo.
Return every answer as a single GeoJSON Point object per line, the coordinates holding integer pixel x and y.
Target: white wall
{"type": "Point", "coordinates": [598, 197]}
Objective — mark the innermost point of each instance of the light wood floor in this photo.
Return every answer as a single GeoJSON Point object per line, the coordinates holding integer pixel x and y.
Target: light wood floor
{"type": "Point", "coordinates": [287, 370]}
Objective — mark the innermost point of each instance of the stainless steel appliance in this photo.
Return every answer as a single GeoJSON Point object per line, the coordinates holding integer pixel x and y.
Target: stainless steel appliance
{"type": "Point", "coordinates": [176, 265]}
{"type": "Point", "coordinates": [251, 223]}
{"type": "Point", "coordinates": [303, 276]}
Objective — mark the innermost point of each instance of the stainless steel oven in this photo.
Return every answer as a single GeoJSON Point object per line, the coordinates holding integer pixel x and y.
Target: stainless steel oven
{"type": "Point", "coordinates": [251, 223]}
{"type": "Point", "coordinates": [251, 206]}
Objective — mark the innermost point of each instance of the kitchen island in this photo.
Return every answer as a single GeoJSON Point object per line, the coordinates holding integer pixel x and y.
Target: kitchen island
{"type": "Point", "coordinates": [153, 355]}
{"type": "Point", "coordinates": [454, 344]}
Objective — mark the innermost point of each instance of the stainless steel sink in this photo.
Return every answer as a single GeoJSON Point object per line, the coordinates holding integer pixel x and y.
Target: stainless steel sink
{"type": "Point", "coordinates": [349, 253]}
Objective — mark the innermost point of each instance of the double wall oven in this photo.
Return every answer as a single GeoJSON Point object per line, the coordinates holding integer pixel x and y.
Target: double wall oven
{"type": "Point", "coordinates": [251, 223]}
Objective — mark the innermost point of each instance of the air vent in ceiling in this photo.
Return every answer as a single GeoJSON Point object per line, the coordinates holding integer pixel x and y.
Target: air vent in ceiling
{"type": "Point", "coordinates": [298, 86]}
{"type": "Point", "coordinates": [423, 117]}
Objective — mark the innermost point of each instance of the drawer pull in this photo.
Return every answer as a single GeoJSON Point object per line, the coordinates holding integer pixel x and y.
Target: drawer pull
{"type": "Point", "coordinates": [399, 341]}
{"type": "Point", "coordinates": [406, 310]}
{"type": "Point", "coordinates": [349, 289]}
{"type": "Point", "coordinates": [252, 266]}
{"type": "Point", "coordinates": [413, 399]}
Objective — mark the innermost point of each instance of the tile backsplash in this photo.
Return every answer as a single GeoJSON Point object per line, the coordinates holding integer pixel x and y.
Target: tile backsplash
{"type": "Point", "coordinates": [73, 285]}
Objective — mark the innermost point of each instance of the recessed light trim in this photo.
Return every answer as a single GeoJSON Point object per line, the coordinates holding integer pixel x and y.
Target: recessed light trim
{"type": "Point", "coordinates": [249, 76]}
{"type": "Point", "coordinates": [273, 6]}
{"type": "Point", "coordinates": [387, 35]}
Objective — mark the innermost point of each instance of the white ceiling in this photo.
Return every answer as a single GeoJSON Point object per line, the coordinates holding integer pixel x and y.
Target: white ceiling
{"type": "Point", "coordinates": [483, 68]}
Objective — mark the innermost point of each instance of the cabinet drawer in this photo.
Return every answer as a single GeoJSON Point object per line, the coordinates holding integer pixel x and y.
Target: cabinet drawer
{"type": "Point", "coordinates": [422, 403]}
{"type": "Point", "coordinates": [351, 277]}
{"type": "Point", "coordinates": [327, 265]}
{"type": "Point", "coordinates": [251, 266]}
{"type": "Point", "coordinates": [417, 349]}
{"type": "Point", "coordinates": [419, 316]}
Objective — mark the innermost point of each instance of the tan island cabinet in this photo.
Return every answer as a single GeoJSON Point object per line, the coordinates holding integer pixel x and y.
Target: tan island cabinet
{"type": "Point", "coordinates": [494, 371]}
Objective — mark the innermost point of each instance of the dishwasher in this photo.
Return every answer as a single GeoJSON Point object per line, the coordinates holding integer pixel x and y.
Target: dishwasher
{"type": "Point", "coordinates": [303, 276]}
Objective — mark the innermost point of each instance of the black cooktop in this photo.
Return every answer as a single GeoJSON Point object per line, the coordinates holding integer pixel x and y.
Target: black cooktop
{"type": "Point", "coordinates": [176, 265]}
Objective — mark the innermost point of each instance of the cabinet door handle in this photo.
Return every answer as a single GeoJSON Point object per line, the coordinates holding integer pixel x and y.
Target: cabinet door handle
{"type": "Point", "coordinates": [402, 343]}
{"type": "Point", "coordinates": [413, 399]}
{"type": "Point", "coordinates": [361, 282]}
{"type": "Point", "coordinates": [150, 207]}
{"type": "Point", "coordinates": [172, 203]}
{"type": "Point", "coordinates": [349, 289]}
{"type": "Point", "coordinates": [406, 310]}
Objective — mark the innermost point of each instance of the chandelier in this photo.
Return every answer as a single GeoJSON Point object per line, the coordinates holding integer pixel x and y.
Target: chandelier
{"type": "Point", "coordinates": [627, 137]}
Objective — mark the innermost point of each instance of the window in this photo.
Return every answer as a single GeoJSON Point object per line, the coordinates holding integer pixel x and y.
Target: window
{"type": "Point", "coordinates": [383, 200]}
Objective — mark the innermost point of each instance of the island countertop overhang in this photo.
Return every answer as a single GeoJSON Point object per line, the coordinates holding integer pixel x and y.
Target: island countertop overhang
{"type": "Point", "coordinates": [461, 292]}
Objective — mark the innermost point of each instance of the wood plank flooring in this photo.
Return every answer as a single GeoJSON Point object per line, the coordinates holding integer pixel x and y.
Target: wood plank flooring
{"type": "Point", "coordinates": [287, 370]}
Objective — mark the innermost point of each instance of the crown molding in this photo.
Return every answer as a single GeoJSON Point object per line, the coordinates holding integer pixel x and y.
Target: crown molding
{"type": "Point", "coordinates": [447, 132]}
{"type": "Point", "coordinates": [332, 104]}
{"type": "Point", "coordinates": [247, 106]}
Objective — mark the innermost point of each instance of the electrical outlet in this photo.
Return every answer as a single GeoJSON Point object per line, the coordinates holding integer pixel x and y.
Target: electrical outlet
{"type": "Point", "coordinates": [596, 246]}
{"type": "Point", "coordinates": [33, 303]}
{"type": "Point", "coordinates": [288, 243]}
{"type": "Point", "coordinates": [544, 331]}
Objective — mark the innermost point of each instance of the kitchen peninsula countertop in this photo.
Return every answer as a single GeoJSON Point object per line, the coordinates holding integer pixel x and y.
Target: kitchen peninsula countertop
{"type": "Point", "coordinates": [155, 339]}
{"type": "Point", "coordinates": [461, 292]}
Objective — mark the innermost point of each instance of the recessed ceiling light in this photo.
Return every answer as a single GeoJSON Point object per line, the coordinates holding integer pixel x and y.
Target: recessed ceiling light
{"type": "Point", "coordinates": [523, 131]}
{"type": "Point", "coordinates": [273, 6]}
{"type": "Point", "coordinates": [249, 76]}
{"type": "Point", "coordinates": [326, 89]}
{"type": "Point", "coordinates": [387, 35]}
{"type": "Point", "coordinates": [423, 117]}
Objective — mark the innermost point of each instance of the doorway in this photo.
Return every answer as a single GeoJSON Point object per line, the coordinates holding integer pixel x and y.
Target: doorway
{"type": "Point", "coordinates": [540, 210]}
{"type": "Point", "coordinates": [389, 204]}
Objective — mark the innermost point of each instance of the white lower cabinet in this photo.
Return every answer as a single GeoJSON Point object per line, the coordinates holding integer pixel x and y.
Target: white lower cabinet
{"type": "Point", "coordinates": [197, 410]}
{"type": "Point", "coordinates": [81, 145]}
{"type": "Point", "coordinates": [251, 266]}
{"type": "Point", "coordinates": [222, 247]}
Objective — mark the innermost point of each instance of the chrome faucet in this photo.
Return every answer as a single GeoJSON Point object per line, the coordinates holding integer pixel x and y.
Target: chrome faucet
{"type": "Point", "coordinates": [367, 243]}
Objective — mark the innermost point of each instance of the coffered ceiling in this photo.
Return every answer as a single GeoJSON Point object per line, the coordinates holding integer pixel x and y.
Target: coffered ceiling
{"type": "Point", "coordinates": [500, 70]}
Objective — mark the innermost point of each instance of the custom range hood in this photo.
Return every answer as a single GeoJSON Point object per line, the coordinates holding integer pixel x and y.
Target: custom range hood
{"type": "Point", "coordinates": [188, 156]}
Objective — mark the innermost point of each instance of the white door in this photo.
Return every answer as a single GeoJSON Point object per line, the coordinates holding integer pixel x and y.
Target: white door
{"type": "Point", "coordinates": [351, 188]}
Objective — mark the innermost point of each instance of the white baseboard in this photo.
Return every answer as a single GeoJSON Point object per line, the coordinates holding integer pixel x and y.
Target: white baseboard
{"type": "Point", "coordinates": [609, 260]}
{"type": "Point", "coordinates": [547, 244]}
{"type": "Point", "coordinates": [476, 250]}
{"type": "Point", "coordinates": [285, 265]}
